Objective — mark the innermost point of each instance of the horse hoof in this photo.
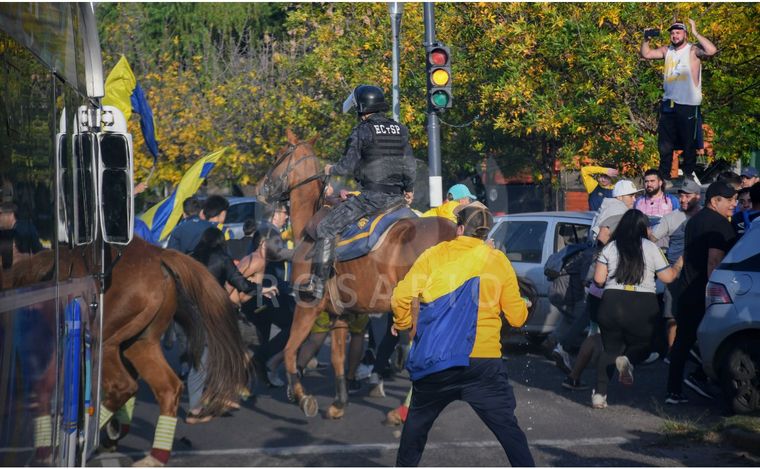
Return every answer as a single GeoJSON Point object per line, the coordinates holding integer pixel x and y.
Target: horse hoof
{"type": "Point", "coordinates": [392, 418]}
{"type": "Point", "coordinates": [335, 412]}
{"type": "Point", "coordinates": [148, 461]}
{"type": "Point", "coordinates": [309, 406]}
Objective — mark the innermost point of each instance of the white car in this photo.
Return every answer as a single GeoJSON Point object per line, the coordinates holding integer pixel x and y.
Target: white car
{"type": "Point", "coordinates": [528, 239]}
{"type": "Point", "coordinates": [729, 335]}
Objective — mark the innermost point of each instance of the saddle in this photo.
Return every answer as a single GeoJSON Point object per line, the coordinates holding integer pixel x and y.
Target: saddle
{"type": "Point", "coordinates": [362, 237]}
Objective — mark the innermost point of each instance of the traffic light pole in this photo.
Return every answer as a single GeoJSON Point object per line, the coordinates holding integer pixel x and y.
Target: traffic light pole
{"type": "Point", "coordinates": [433, 127]}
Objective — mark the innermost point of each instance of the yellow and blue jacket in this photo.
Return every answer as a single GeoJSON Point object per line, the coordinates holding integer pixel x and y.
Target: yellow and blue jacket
{"type": "Point", "coordinates": [463, 286]}
{"type": "Point", "coordinates": [445, 210]}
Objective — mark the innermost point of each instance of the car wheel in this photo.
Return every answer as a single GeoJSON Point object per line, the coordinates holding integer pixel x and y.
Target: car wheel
{"type": "Point", "coordinates": [740, 377]}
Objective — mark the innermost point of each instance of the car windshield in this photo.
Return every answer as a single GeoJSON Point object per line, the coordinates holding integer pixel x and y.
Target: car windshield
{"type": "Point", "coordinates": [521, 241]}
{"type": "Point", "coordinates": [238, 213]}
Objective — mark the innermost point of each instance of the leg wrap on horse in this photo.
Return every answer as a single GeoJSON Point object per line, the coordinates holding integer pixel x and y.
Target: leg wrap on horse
{"type": "Point", "coordinates": [105, 416]}
{"type": "Point", "coordinates": [43, 432]}
{"type": "Point", "coordinates": [124, 415]}
{"type": "Point", "coordinates": [164, 438]}
{"type": "Point", "coordinates": [341, 392]}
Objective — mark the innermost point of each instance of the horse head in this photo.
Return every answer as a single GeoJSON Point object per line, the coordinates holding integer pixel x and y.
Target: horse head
{"type": "Point", "coordinates": [295, 165]}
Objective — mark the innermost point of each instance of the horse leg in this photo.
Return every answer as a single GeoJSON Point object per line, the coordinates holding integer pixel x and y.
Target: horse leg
{"type": "Point", "coordinates": [339, 333]}
{"type": "Point", "coordinates": [302, 323]}
{"type": "Point", "coordinates": [148, 359]}
{"type": "Point", "coordinates": [119, 388]}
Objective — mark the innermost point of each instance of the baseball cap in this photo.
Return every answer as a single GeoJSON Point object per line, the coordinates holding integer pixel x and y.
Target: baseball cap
{"type": "Point", "coordinates": [475, 218]}
{"type": "Point", "coordinates": [689, 186]}
{"type": "Point", "coordinates": [720, 188]}
{"type": "Point", "coordinates": [460, 191]}
{"type": "Point", "coordinates": [749, 172]}
{"type": "Point", "coordinates": [680, 26]}
{"type": "Point", "coordinates": [624, 187]}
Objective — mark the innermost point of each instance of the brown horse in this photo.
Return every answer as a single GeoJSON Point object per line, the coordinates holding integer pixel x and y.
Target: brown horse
{"type": "Point", "coordinates": [146, 287]}
{"type": "Point", "coordinates": [362, 285]}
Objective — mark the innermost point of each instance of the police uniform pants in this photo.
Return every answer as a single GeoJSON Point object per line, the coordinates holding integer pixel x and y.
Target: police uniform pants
{"type": "Point", "coordinates": [354, 209]}
{"type": "Point", "coordinates": [485, 386]}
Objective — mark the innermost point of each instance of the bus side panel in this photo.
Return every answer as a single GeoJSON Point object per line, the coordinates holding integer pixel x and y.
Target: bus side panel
{"type": "Point", "coordinates": [29, 329]}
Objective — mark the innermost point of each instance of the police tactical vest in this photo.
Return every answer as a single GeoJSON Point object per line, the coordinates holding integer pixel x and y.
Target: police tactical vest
{"type": "Point", "coordinates": [382, 155]}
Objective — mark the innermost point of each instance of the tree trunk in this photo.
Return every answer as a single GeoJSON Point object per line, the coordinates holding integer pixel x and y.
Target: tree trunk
{"type": "Point", "coordinates": [546, 164]}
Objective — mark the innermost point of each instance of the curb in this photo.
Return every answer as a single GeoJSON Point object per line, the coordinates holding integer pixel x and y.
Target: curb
{"type": "Point", "coordinates": [743, 439]}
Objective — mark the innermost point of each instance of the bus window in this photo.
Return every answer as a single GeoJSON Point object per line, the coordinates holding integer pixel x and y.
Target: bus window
{"type": "Point", "coordinates": [27, 215]}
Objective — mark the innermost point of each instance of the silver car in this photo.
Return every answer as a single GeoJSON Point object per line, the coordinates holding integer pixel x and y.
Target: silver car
{"type": "Point", "coordinates": [528, 239]}
{"type": "Point", "coordinates": [241, 209]}
{"type": "Point", "coordinates": [729, 335]}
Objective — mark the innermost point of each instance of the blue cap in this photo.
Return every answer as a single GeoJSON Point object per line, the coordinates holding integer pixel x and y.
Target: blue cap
{"type": "Point", "coordinates": [749, 172]}
{"type": "Point", "coordinates": [460, 191]}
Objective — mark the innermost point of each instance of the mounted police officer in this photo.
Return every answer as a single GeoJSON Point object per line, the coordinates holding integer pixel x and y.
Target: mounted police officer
{"type": "Point", "coordinates": [380, 158]}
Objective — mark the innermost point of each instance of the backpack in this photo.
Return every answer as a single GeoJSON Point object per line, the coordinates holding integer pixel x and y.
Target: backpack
{"type": "Point", "coordinates": [567, 271]}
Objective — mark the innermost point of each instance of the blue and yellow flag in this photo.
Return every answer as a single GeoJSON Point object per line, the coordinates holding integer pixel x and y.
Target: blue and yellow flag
{"type": "Point", "coordinates": [124, 93]}
{"type": "Point", "coordinates": [164, 216]}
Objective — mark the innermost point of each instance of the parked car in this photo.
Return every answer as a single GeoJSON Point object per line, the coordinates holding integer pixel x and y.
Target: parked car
{"type": "Point", "coordinates": [241, 209]}
{"type": "Point", "coordinates": [729, 335]}
{"type": "Point", "coordinates": [528, 239]}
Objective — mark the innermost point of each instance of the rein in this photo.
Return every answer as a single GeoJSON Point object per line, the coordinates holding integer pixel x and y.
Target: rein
{"type": "Point", "coordinates": [285, 194]}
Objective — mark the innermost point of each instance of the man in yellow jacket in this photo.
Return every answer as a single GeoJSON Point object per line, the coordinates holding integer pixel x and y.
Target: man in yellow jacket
{"type": "Point", "coordinates": [457, 195]}
{"type": "Point", "coordinates": [463, 287]}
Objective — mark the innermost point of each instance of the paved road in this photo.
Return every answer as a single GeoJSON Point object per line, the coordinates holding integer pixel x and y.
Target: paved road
{"type": "Point", "coordinates": [562, 428]}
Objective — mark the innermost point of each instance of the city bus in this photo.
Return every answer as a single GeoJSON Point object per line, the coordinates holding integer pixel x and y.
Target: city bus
{"type": "Point", "coordinates": [65, 199]}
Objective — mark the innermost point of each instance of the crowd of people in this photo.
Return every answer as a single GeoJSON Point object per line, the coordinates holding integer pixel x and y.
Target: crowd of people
{"type": "Point", "coordinates": [639, 238]}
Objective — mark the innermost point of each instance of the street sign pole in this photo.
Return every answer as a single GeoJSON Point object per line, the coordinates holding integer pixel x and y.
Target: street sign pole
{"type": "Point", "coordinates": [433, 127]}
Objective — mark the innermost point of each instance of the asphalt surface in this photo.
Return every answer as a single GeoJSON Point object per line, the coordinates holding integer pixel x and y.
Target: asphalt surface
{"type": "Point", "coordinates": [561, 426]}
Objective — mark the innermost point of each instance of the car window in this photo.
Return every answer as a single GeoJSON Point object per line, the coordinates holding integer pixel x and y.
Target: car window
{"type": "Point", "coordinates": [569, 233]}
{"type": "Point", "coordinates": [521, 241]}
{"type": "Point", "coordinates": [238, 213]}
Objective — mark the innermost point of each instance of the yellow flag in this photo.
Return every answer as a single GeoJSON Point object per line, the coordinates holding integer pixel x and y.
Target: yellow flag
{"type": "Point", "coordinates": [164, 216]}
{"type": "Point", "coordinates": [120, 84]}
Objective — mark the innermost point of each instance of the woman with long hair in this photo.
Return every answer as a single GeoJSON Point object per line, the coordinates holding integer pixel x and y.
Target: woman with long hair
{"type": "Point", "coordinates": [626, 269]}
{"type": "Point", "coordinates": [211, 251]}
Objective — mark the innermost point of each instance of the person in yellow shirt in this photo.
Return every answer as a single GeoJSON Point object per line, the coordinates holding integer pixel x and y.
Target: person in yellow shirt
{"type": "Point", "coordinates": [463, 286]}
{"type": "Point", "coordinates": [600, 187]}
{"type": "Point", "coordinates": [457, 195]}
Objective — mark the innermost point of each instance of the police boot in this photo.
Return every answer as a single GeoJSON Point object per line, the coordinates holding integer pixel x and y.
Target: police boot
{"type": "Point", "coordinates": [320, 269]}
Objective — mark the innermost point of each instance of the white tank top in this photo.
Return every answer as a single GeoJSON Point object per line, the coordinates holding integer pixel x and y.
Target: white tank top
{"type": "Point", "coordinates": [677, 77]}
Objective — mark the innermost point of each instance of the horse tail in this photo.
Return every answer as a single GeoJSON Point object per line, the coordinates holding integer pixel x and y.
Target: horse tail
{"type": "Point", "coordinates": [206, 312]}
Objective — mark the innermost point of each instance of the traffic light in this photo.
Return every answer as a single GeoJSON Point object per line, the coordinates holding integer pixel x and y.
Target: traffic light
{"type": "Point", "coordinates": [439, 77]}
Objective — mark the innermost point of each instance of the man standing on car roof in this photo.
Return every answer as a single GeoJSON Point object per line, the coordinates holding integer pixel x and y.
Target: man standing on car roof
{"type": "Point", "coordinates": [680, 116]}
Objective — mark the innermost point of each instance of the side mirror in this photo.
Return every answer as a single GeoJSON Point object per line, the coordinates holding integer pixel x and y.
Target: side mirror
{"type": "Point", "coordinates": [115, 188]}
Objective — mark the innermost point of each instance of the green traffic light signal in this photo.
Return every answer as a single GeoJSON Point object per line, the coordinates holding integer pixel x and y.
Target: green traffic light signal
{"type": "Point", "coordinates": [440, 99]}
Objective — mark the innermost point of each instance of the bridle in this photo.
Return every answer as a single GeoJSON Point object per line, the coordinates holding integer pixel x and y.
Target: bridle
{"type": "Point", "coordinates": [278, 190]}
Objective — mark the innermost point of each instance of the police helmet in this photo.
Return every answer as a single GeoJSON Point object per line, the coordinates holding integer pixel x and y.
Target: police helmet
{"type": "Point", "coordinates": [366, 99]}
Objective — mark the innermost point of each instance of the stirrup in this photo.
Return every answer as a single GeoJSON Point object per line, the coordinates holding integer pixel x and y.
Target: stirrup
{"type": "Point", "coordinates": [314, 287]}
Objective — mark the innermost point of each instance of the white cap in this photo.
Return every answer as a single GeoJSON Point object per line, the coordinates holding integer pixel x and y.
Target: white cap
{"type": "Point", "coordinates": [624, 187]}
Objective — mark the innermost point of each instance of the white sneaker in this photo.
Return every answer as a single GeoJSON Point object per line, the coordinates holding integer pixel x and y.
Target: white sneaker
{"type": "Point", "coordinates": [562, 359]}
{"type": "Point", "coordinates": [625, 370]}
{"type": "Point", "coordinates": [598, 401]}
{"type": "Point", "coordinates": [653, 357]}
{"type": "Point", "coordinates": [363, 372]}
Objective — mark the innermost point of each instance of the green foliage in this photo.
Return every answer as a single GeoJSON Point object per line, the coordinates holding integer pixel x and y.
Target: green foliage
{"type": "Point", "coordinates": [539, 82]}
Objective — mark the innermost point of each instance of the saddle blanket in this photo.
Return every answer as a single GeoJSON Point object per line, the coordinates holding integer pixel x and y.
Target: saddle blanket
{"type": "Point", "coordinates": [359, 238]}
